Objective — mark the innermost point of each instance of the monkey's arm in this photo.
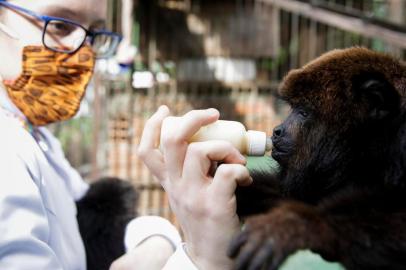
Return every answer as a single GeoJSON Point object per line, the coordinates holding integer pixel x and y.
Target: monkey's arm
{"type": "Point", "coordinates": [260, 196]}
{"type": "Point", "coordinates": [361, 233]}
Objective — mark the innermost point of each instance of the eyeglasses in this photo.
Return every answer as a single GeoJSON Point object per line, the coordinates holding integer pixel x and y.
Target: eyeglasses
{"type": "Point", "coordinates": [66, 36]}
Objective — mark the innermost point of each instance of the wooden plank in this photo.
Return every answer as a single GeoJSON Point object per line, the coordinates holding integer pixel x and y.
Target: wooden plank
{"type": "Point", "coordinates": [397, 10]}
{"type": "Point", "coordinates": [341, 21]}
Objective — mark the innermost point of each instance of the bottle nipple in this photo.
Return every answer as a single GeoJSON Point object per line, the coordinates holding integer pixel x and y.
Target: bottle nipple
{"type": "Point", "coordinates": [269, 144]}
{"type": "Point", "coordinates": [258, 143]}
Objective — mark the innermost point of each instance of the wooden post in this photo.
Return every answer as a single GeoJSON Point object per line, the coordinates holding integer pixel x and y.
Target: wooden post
{"type": "Point", "coordinates": [276, 40]}
{"type": "Point", "coordinates": [312, 39]}
{"type": "Point", "coordinates": [127, 18]}
{"type": "Point", "coordinates": [96, 127]}
{"type": "Point", "coordinates": [152, 46]}
{"type": "Point", "coordinates": [295, 41]}
{"type": "Point", "coordinates": [397, 10]}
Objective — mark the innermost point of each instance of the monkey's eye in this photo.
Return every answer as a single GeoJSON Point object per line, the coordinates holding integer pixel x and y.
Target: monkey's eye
{"type": "Point", "coordinates": [303, 113]}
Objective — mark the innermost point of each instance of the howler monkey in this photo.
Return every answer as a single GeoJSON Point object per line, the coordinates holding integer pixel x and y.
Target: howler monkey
{"type": "Point", "coordinates": [341, 188]}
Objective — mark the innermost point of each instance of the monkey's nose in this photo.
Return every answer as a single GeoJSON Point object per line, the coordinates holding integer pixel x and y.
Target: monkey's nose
{"type": "Point", "coordinates": [277, 131]}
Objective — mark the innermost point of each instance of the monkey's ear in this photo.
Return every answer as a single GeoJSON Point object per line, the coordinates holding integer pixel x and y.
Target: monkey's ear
{"type": "Point", "coordinates": [381, 97]}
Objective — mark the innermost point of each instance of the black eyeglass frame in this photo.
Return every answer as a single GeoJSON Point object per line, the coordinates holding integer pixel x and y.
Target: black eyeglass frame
{"type": "Point", "coordinates": [92, 34]}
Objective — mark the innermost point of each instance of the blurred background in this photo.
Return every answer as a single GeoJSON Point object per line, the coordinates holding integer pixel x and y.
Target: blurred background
{"type": "Point", "coordinates": [227, 54]}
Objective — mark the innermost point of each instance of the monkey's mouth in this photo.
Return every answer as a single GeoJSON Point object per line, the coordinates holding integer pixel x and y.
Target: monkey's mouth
{"type": "Point", "coordinates": [279, 154]}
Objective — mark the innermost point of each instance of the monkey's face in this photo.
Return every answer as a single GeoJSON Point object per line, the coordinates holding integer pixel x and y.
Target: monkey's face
{"type": "Point", "coordinates": [303, 138]}
{"type": "Point", "coordinates": [312, 136]}
{"type": "Point", "coordinates": [289, 136]}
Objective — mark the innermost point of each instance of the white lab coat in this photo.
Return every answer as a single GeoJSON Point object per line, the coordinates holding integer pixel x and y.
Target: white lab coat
{"type": "Point", "coordinates": [38, 227]}
{"type": "Point", "coordinates": [38, 190]}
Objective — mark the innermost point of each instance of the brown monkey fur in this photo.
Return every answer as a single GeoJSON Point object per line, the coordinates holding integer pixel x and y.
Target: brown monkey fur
{"type": "Point", "coordinates": [325, 83]}
{"type": "Point", "coordinates": [341, 188]}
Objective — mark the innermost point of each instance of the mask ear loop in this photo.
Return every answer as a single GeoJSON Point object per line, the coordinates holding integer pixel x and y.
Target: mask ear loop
{"type": "Point", "coordinates": [5, 29]}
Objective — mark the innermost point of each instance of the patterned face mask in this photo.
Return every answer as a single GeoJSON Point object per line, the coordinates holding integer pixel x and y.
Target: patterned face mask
{"type": "Point", "coordinates": [52, 84]}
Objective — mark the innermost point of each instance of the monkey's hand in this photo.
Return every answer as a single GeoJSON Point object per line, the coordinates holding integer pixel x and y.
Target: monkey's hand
{"type": "Point", "coordinates": [269, 239]}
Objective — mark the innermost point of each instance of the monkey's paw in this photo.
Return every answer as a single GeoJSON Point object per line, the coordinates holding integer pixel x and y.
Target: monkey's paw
{"type": "Point", "coordinates": [269, 239]}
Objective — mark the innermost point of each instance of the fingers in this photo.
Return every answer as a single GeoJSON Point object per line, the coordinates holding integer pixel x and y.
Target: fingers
{"type": "Point", "coordinates": [236, 243]}
{"type": "Point", "coordinates": [175, 133]}
{"type": "Point", "coordinates": [263, 256]}
{"type": "Point", "coordinates": [200, 156]}
{"type": "Point", "coordinates": [152, 129]}
{"type": "Point", "coordinates": [245, 255]}
{"type": "Point", "coordinates": [199, 161]}
{"type": "Point", "coordinates": [192, 160]}
{"type": "Point", "coordinates": [194, 120]}
{"type": "Point", "coordinates": [147, 150]}
{"type": "Point", "coordinates": [226, 179]}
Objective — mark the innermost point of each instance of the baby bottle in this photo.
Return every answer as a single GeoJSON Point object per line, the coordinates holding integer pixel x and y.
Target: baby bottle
{"type": "Point", "coordinates": [251, 142]}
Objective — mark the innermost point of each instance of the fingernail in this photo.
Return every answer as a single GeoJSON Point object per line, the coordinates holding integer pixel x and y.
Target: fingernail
{"type": "Point", "coordinates": [163, 107]}
{"type": "Point", "coordinates": [212, 111]}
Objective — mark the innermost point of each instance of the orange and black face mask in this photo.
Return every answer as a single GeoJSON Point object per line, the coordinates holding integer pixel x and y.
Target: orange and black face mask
{"type": "Point", "coordinates": [52, 84]}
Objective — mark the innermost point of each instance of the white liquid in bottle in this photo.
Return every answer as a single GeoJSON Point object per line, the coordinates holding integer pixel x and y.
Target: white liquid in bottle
{"type": "Point", "coordinates": [251, 142]}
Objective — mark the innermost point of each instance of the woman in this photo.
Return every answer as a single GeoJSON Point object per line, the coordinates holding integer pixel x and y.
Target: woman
{"type": "Point", "coordinates": [47, 52]}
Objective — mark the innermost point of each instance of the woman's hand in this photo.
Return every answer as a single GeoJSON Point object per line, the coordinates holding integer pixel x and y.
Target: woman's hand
{"type": "Point", "coordinates": [205, 205]}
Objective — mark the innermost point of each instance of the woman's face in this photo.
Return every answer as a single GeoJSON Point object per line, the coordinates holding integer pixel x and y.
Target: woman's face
{"type": "Point", "coordinates": [89, 13]}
